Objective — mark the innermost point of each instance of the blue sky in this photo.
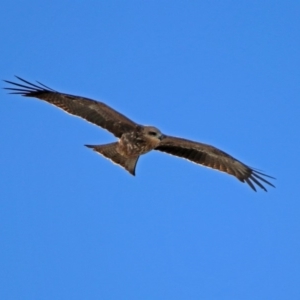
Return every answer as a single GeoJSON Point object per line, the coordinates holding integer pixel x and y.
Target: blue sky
{"type": "Point", "coordinates": [75, 226]}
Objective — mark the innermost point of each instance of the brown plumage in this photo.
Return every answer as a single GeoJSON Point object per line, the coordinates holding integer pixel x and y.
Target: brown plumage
{"type": "Point", "coordinates": [135, 140]}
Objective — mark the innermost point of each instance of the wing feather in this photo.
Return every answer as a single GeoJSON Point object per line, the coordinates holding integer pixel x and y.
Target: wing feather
{"type": "Point", "coordinates": [93, 111]}
{"type": "Point", "coordinates": [212, 157]}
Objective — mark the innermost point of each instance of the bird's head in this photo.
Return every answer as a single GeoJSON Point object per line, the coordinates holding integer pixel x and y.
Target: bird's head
{"type": "Point", "coordinates": [152, 134]}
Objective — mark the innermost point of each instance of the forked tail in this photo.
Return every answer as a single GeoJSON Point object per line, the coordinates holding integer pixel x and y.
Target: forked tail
{"type": "Point", "coordinates": [110, 152]}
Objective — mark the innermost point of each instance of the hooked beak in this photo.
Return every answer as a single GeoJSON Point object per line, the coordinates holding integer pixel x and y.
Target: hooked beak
{"type": "Point", "coordinates": [162, 137]}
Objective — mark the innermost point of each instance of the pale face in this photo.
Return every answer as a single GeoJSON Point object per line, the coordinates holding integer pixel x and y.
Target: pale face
{"type": "Point", "coordinates": [152, 133]}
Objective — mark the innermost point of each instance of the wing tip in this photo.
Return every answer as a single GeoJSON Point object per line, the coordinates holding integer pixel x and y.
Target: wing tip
{"type": "Point", "coordinates": [26, 88]}
{"type": "Point", "coordinates": [254, 178]}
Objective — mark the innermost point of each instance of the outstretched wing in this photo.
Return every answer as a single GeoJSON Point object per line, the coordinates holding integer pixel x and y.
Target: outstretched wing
{"type": "Point", "coordinates": [93, 111]}
{"type": "Point", "coordinates": [212, 157]}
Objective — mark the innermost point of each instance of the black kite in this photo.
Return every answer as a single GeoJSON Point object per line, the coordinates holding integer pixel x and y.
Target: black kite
{"type": "Point", "coordinates": [135, 140]}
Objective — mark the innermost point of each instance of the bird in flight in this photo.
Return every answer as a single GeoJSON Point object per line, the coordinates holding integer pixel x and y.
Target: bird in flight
{"type": "Point", "coordinates": [135, 139]}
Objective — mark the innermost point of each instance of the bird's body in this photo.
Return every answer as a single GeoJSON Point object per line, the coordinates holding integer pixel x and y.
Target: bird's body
{"type": "Point", "coordinates": [140, 141]}
{"type": "Point", "coordinates": [135, 140]}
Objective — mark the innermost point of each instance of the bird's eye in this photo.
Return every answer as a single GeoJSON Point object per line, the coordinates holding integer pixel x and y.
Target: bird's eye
{"type": "Point", "coordinates": [152, 133]}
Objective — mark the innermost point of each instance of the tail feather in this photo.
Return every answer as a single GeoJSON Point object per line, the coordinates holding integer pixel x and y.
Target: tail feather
{"type": "Point", "coordinates": [110, 152]}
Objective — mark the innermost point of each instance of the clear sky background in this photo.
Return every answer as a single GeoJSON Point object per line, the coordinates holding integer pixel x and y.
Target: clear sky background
{"type": "Point", "coordinates": [75, 226]}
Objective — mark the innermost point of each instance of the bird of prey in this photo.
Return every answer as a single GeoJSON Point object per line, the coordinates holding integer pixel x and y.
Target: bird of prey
{"type": "Point", "coordinates": [135, 139]}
